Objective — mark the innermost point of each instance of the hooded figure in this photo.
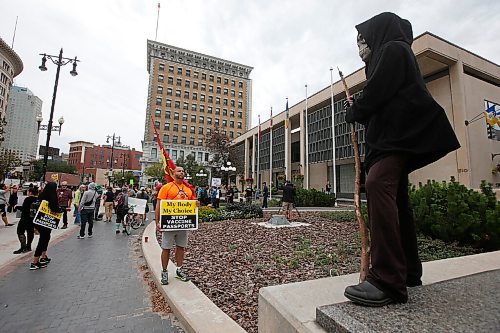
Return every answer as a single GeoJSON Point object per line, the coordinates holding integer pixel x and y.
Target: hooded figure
{"type": "Point", "coordinates": [405, 130]}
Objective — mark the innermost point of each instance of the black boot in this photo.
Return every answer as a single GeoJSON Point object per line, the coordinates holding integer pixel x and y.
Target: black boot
{"type": "Point", "coordinates": [22, 240]}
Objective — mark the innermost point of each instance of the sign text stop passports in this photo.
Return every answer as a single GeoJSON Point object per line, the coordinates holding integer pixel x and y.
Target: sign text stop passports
{"type": "Point", "coordinates": [178, 215]}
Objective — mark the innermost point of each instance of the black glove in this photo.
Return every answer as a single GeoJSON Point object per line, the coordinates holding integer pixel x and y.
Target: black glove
{"type": "Point", "coordinates": [349, 112]}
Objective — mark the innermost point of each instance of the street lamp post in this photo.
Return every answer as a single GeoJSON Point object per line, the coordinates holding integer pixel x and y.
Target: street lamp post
{"type": "Point", "coordinates": [228, 168]}
{"type": "Point", "coordinates": [113, 138]}
{"type": "Point", "coordinates": [59, 61]}
{"type": "Point", "coordinates": [334, 157]}
{"type": "Point", "coordinates": [201, 173]}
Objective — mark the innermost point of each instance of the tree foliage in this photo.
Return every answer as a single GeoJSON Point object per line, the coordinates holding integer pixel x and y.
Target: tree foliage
{"type": "Point", "coordinates": [123, 179]}
{"type": "Point", "coordinates": [156, 171]}
{"type": "Point", "coordinates": [218, 143]}
{"type": "Point", "coordinates": [52, 166]}
{"type": "Point", "coordinates": [8, 161]}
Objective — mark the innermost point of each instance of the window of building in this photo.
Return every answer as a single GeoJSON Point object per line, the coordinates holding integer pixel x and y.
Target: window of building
{"type": "Point", "coordinates": [157, 124]}
{"type": "Point", "coordinates": [217, 100]}
{"type": "Point", "coordinates": [218, 90]}
{"type": "Point", "coordinates": [176, 127]}
{"type": "Point", "coordinates": [231, 134]}
{"type": "Point", "coordinates": [166, 127]}
{"type": "Point", "coordinates": [160, 78]}
{"type": "Point", "coordinates": [240, 84]}
{"type": "Point", "coordinates": [217, 111]}
{"type": "Point", "coordinates": [174, 140]}
{"type": "Point", "coordinates": [239, 124]}
{"type": "Point", "coordinates": [183, 141]}
{"type": "Point", "coordinates": [203, 87]}
{"type": "Point", "coordinates": [231, 113]}
{"type": "Point", "coordinates": [225, 101]}
{"type": "Point", "coordinates": [170, 69]}
{"type": "Point", "coordinates": [186, 94]}
{"type": "Point", "coordinates": [226, 81]}
{"type": "Point", "coordinates": [191, 141]}
{"type": "Point", "coordinates": [179, 70]}
{"type": "Point", "coordinates": [204, 76]}
{"type": "Point", "coordinates": [200, 130]}
{"type": "Point", "coordinates": [240, 94]}
{"type": "Point", "coordinates": [177, 104]}
{"type": "Point", "coordinates": [240, 105]}
{"type": "Point", "coordinates": [186, 106]}
{"type": "Point", "coordinates": [187, 83]}
{"type": "Point", "coordinates": [211, 78]}
{"type": "Point", "coordinates": [169, 91]}
{"type": "Point", "coordinates": [159, 90]}
{"type": "Point", "coordinates": [200, 157]}
{"type": "Point", "coordinates": [188, 72]}
{"type": "Point", "coordinates": [217, 121]}
{"type": "Point", "coordinates": [166, 138]}
{"type": "Point", "coordinates": [161, 67]}
{"type": "Point", "coordinates": [206, 157]}
{"type": "Point", "coordinates": [184, 128]}
{"type": "Point", "coordinates": [192, 129]}
{"type": "Point", "coordinates": [178, 93]}
{"type": "Point", "coordinates": [157, 113]}
{"type": "Point", "coordinates": [179, 82]}
{"type": "Point", "coordinates": [210, 88]}
{"type": "Point", "coordinates": [231, 124]}
{"type": "Point", "coordinates": [224, 122]}
{"type": "Point", "coordinates": [170, 80]}
{"type": "Point", "coordinates": [184, 117]}
{"type": "Point", "coordinates": [195, 74]}
{"type": "Point", "coordinates": [176, 115]}
{"type": "Point", "coordinates": [202, 108]}
{"type": "Point", "coordinates": [224, 112]}
{"type": "Point", "coordinates": [195, 96]}
{"type": "Point", "coordinates": [200, 142]}
{"type": "Point", "coordinates": [209, 121]}
{"type": "Point", "coordinates": [219, 79]}
{"type": "Point", "coordinates": [193, 118]}
{"type": "Point", "coordinates": [158, 101]}
{"type": "Point", "coordinates": [201, 119]}
{"type": "Point", "coordinates": [174, 151]}
{"type": "Point", "coordinates": [209, 109]}
{"type": "Point", "coordinates": [154, 153]}
{"type": "Point", "coordinates": [167, 114]}
{"type": "Point", "coordinates": [193, 107]}
{"type": "Point", "coordinates": [202, 97]}
{"type": "Point", "coordinates": [210, 99]}
{"type": "Point", "coordinates": [232, 102]}
{"type": "Point", "coordinates": [226, 91]}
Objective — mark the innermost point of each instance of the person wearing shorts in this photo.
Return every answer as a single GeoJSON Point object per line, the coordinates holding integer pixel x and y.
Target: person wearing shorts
{"type": "Point", "coordinates": [174, 190]}
{"type": "Point", "coordinates": [3, 205]}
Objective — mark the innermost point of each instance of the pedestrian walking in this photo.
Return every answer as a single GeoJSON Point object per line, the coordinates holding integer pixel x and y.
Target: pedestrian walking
{"type": "Point", "coordinates": [265, 195]}
{"type": "Point", "coordinates": [86, 208]}
{"type": "Point", "coordinates": [40, 259]}
{"type": "Point", "coordinates": [121, 207]}
{"type": "Point", "coordinates": [3, 205]}
{"type": "Point", "coordinates": [406, 129]}
{"type": "Point", "coordinates": [109, 197]}
{"type": "Point", "coordinates": [64, 197]}
{"type": "Point", "coordinates": [76, 202]}
{"type": "Point", "coordinates": [12, 199]}
{"type": "Point", "coordinates": [25, 227]}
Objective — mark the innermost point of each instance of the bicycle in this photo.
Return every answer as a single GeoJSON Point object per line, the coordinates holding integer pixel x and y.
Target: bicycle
{"type": "Point", "coordinates": [130, 221]}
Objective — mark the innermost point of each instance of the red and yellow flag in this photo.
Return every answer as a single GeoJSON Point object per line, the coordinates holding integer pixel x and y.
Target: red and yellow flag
{"type": "Point", "coordinates": [168, 165]}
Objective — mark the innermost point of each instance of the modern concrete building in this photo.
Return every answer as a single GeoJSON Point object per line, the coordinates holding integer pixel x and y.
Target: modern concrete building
{"type": "Point", "coordinates": [11, 66]}
{"type": "Point", "coordinates": [466, 85]}
{"type": "Point", "coordinates": [21, 130]}
{"type": "Point", "coordinates": [189, 93]}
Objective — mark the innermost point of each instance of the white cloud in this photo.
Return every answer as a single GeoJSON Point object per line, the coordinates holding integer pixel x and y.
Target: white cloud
{"type": "Point", "coordinates": [289, 43]}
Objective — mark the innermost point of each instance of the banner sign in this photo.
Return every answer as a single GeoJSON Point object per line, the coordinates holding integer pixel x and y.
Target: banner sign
{"type": "Point", "coordinates": [216, 182]}
{"type": "Point", "coordinates": [138, 205]}
{"type": "Point", "coordinates": [178, 215]}
{"type": "Point", "coordinates": [45, 217]}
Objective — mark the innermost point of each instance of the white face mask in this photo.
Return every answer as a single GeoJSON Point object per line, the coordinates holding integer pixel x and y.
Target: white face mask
{"type": "Point", "coordinates": [364, 49]}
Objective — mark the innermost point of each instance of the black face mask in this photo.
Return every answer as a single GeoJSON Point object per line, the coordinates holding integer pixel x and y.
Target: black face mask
{"type": "Point", "coordinates": [364, 50]}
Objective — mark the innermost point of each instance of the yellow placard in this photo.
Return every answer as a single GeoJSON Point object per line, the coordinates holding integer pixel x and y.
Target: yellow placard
{"type": "Point", "coordinates": [55, 177]}
{"type": "Point", "coordinates": [178, 207]}
{"type": "Point", "coordinates": [178, 215]}
{"type": "Point", "coordinates": [45, 217]}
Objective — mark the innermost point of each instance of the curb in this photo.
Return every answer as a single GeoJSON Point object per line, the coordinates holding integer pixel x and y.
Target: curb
{"type": "Point", "coordinates": [195, 311]}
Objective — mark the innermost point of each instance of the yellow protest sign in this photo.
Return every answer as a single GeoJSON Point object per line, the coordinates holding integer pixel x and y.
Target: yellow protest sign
{"type": "Point", "coordinates": [45, 217]}
{"type": "Point", "coordinates": [178, 215]}
{"type": "Point", "coordinates": [55, 177]}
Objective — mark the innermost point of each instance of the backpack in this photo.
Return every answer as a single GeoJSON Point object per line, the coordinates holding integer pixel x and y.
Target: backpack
{"type": "Point", "coordinates": [119, 201]}
{"type": "Point", "coordinates": [34, 208]}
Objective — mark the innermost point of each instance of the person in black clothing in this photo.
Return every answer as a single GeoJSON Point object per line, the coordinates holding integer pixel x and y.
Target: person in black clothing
{"type": "Point", "coordinates": [230, 194]}
{"type": "Point", "coordinates": [289, 193]}
{"type": "Point", "coordinates": [109, 197]}
{"type": "Point", "coordinates": [25, 224]}
{"type": "Point", "coordinates": [40, 258]}
{"type": "Point", "coordinates": [265, 194]}
{"type": "Point", "coordinates": [406, 129]}
{"type": "Point", "coordinates": [12, 199]}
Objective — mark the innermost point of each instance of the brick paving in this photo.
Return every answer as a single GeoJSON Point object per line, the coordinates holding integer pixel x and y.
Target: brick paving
{"type": "Point", "coordinates": [91, 285]}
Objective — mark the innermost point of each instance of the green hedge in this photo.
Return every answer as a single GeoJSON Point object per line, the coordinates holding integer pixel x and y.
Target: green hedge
{"type": "Point", "coordinates": [452, 212]}
{"type": "Point", "coordinates": [313, 198]}
{"type": "Point", "coordinates": [229, 212]}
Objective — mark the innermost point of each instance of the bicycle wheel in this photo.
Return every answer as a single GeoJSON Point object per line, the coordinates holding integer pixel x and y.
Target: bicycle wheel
{"type": "Point", "coordinates": [135, 223]}
{"type": "Point", "coordinates": [126, 224]}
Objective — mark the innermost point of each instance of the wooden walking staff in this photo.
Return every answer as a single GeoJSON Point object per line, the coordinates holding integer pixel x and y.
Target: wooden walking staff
{"type": "Point", "coordinates": [363, 230]}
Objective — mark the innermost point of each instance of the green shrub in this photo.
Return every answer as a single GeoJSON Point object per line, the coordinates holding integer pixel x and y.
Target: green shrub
{"type": "Point", "coordinates": [313, 198]}
{"type": "Point", "coordinates": [274, 203]}
{"type": "Point", "coordinates": [209, 214]}
{"type": "Point", "coordinates": [245, 210]}
{"type": "Point", "coordinates": [339, 216]}
{"type": "Point", "coordinates": [453, 213]}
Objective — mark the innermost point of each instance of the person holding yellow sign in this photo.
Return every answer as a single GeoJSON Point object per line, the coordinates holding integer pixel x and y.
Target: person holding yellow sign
{"type": "Point", "coordinates": [40, 258]}
{"type": "Point", "coordinates": [175, 190]}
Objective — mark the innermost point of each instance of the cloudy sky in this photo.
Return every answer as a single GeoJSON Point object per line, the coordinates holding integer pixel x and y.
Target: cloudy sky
{"type": "Point", "coordinates": [289, 43]}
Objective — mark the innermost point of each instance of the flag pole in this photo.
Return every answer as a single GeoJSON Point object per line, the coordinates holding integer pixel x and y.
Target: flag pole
{"type": "Point", "coordinates": [286, 140]}
{"type": "Point", "coordinates": [334, 157]}
{"type": "Point", "coordinates": [271, 153]}
{"type": "Point", "coordinates": [257, 181]}
{"type": "Point", "coordinates": [306, 167]}
{"type": "Point", "coordinates": [157, 19]}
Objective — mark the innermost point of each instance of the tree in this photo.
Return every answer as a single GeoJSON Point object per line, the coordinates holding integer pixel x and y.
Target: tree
{"type": "Point", "coordinates": [124, 179]}
{"type": "Point", "coordinates": [52, 166]}
{"type": "Point", "coordinates": [219, 145]}
{"type": "Point", "coordinates": [156, 171]}
{"type": "Point", "coordinates": [8, 161]}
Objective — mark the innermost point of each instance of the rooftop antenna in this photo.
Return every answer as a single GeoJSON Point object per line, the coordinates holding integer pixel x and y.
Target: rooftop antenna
{"type": "Point", "coordinates": [14, 37]}
{"type": "Point", "coordinates": [157, 19]}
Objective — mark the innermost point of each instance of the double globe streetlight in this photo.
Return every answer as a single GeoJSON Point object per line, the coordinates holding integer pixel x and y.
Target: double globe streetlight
{"type": "Point", "coordinates": [58, 61]}
{"type": "Point", "coordinates": [228, 168]}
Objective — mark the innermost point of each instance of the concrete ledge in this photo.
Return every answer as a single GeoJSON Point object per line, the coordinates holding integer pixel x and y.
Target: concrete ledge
{"type": "Point", "coordinates": [196, 312]}
{"type": "Point", "coordinates": [292, 307]}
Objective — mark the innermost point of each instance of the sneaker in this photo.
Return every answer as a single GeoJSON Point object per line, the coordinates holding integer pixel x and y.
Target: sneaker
{"type": "Point", "coordinates": [181, 275]}
{"type": "Point", "coordinates": [45, 260]}
{"type": "Point", "coordinates": [164, 277]}
{"type": "Point", "coordinates": [37, 266]}
{"type": "Point", "coordinates": [64, 226]}
{"type": "Point", "coordinates": [9, 224]}
{"type": "Point", "coordinates": [117, 232]}
{"type": "Point", "coordinates": [21, 250]}
{"type": "Point", "coordinates": [80, 237]}
{"type": "Point", "coordinates": [90, 236]}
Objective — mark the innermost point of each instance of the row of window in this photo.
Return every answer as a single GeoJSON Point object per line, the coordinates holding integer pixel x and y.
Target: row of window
{"type": "Point", "coordinates": [196, 75]}
{"type": "Point", "coordinates": [210, 99]}
{"type": "Point", "coordinates": [175, 126]}
{"type": "Point", "coordinates": [175, 138]}
{"type": "Point", "coordinates": [179, 154]}
{"type": "Point", "coordinates": [168, 115]}
{"type": "Point", "coordinates": [203, 86]}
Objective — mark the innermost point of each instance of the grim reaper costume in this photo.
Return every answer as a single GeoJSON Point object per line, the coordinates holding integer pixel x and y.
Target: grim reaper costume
{"type": "Point", "coordinates": [405, 130]}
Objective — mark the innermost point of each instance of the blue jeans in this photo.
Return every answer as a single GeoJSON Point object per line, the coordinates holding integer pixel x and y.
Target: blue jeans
{"type": "Point", "coordinates": [77, 216]}
{"type": "Point", "coordinates": [87, 216]}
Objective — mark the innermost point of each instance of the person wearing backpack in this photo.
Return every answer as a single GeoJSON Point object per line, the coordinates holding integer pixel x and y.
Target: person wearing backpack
{"type": "Point", "coordinates": [145, 196]}
{"type": "Point", "coordinates": [121, 207]}
{"type": "Point", "coordinates": [86, 208]}
{"type": "Point", "coordinates": [109, 198]}
{"type": "Point", "coordinates": [25, 226]}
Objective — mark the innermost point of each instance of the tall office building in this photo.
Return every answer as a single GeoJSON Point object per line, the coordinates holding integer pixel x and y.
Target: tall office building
{"type": "Point", "coordinates": [21, 130]}
{"type": "Point", "coordinates": [189, 94]}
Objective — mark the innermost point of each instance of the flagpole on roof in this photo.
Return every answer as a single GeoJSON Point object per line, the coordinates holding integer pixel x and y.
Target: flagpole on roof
{"type": "Point", "coordinates": [271, 153]}
{"type": "Point", "coordinates": [157, 19]}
